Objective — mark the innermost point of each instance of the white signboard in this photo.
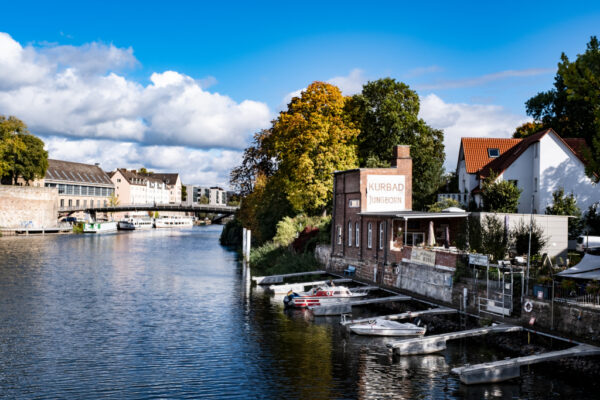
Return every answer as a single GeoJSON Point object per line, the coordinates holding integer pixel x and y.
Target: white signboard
{"type": "Point", "coordinates": [386, 193]}
{"type": "Point", "coordinates": [478, 259]}
{"type": "Point", "coordinates": [423, 256]}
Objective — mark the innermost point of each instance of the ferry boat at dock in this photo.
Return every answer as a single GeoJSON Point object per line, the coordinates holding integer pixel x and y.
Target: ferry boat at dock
{"type": "Point", "coordinates": [320, 296]}
{"type": "Point", "coordinates": [99, 227]}
{"type": "Point", "coordinates": [130, 224]}
{"type": "Point", "coordinates": [173, 222]}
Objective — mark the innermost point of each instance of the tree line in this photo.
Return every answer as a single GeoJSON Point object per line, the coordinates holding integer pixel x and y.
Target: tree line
{"type": "Point", "coordinates": [22, 155]}
{"type": "Point", "coordinates": [288, 169]}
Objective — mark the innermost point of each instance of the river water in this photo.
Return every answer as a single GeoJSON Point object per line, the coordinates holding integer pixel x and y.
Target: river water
{"type": "Point", "coordinates": [167, 314]}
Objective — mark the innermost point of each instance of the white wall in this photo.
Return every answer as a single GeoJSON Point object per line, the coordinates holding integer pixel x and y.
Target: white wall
{"type": "Point", "coordinates": [522, 170]}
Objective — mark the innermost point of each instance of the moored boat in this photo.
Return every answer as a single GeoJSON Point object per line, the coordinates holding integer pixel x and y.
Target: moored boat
{"type": "Point", "coordinates": [173, 222]}
{"type": "Point", "coordinates": [99, 227]}
{"type": "Point", "coordinates": [321, 295]}
{"type": "Point", "coordinates": [386, 327]}
{"type": "Point", "coordinates": [125, 225]}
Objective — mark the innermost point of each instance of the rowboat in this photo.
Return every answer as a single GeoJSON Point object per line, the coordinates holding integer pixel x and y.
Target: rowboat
{"type": "Point", "coordinates": [321, 295]}
{"type": "Point", "coordinates": [386, 327]}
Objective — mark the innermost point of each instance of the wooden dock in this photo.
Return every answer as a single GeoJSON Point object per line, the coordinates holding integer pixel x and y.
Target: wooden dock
{"type": "Point", "coordinates": [503, 370]}
{"type": "Point", "coordinates": [404, 315]}
{"type": "Point", "coordinates": [299, 287]}
{"type": "Point", "coordinates": [268, 280]}
{"type": "Point", "coordinates": [435, 343]}
{"type": "Point", "coordinates": [346, 307]}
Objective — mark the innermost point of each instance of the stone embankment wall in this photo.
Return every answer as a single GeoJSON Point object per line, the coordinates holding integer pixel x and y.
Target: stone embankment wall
{"type": "Point", "coordinates": [28, 207]}
{"type": "Point", "coordinates": [433, 282]}
{"type": "Point", "coordinates": [569, 319]}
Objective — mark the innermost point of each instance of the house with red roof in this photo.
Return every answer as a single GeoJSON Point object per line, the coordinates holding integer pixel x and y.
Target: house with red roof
{"type": "Point", "coordinates": [538, 165]}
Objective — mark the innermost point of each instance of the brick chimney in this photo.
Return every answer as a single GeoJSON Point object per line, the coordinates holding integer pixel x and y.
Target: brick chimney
{"type": "Point", "coordinates": [402, 156]}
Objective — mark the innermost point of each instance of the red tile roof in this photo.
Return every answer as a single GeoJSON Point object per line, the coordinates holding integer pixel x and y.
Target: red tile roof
{"type": "Point", "coordinates": [476, 151]}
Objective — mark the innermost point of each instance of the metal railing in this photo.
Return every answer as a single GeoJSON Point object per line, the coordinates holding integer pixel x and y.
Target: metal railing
{"type": "Point", "coordinates": [462, 198]}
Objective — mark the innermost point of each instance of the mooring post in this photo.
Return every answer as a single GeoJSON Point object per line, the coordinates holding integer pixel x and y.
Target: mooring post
{"type": "Point", "coordinates": [244, 243]}
{"type": "Point", "coordinates": [248, 243]}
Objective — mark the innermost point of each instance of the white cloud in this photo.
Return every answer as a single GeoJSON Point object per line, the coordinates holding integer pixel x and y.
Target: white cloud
{"type": "Point", "coordinates": [350, 84]}
{"type": "Point", "coordinates": [76, 92]}
{"type": "Point", "coordinates": [202, 167]}
{"type": "Point", "coordinates": [467, 120]}
{"type": "Point", "coordinates": [480, 80]}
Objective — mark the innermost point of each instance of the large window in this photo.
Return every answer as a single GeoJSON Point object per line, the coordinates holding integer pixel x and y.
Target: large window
{"type": "Point", "coordinates": [381, 235]}
{"type": "Point", "coordinates": [357, 235]}
{"type": "Point", "coordinates": [62, 202]}
{"type": "Point", "coordinates": [339, 234]}
{"type": "Point", "coordinates": [415, 238]}
{"type": "Point", "coordinates": [349, 233]}
{"type": "Point", "coordinates": [369, 235]}
{"type": "Point", "coordinates": [69, 189]}
{"type": "Point", "coordinates": [61, 189]}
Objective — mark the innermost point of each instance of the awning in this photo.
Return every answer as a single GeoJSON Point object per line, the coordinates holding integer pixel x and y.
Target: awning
{"type": "Point", "coordinates": [587, 268]}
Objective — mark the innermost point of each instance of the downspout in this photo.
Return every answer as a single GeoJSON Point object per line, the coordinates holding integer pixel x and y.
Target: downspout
{"type": "Point", "coordinates": [333, 226]}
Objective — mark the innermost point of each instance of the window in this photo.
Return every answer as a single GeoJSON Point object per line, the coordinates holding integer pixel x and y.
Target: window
{"type": "Point", "coordinates": [369, 235]}
{"type": "Point", "coordinates": [85, 203]}
{"type": "Point", "coordinates": [97, 203]}
{"type": "Point", "coordinates": [535, 184]}
{"type": "Point", "coordinates": [355, 203]}
{"type": "Point", "coordinates": [69, 189]}
{"type": "Point", "coordinates": [70, 203]}
{"type": "Point", "coordinates": [77, 203]}
{"type": "Point", "coordinates": [349, 233]}
{"type": "Point", "coordinates": [61, 189]}
{"type": "Point", "coordinates": [415, 238]}
{"type": "Point", "coordinates": [118, 180]}
{"type": "Point", "coordinates": [357, 235]}
{"type": "Point", "coordinates": [514, 182]}
{"type": "Point", "coordinates": [381, 235]}
{"type": "Point", "coordinates": [76, 189]}
{"type": "Point", "coordinates": [339, 235]}
{"type": "Point", "coordinates": [493, 152]}
{"type": "Point", "coordinates": [62, 202]}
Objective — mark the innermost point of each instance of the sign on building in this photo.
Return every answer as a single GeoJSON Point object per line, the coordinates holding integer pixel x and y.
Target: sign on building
{"type": "Point", "coordinates": [423, 256]}
{"type": "Point", "coordinates": [478, 259]}
{"type": "Point", "coordinates": [386, 193]}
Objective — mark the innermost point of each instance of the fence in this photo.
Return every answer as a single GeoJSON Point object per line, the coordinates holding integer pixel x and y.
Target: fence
{"type": "Point", "coordinates": [577, 294]}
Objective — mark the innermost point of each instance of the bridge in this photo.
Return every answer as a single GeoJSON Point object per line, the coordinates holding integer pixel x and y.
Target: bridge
{"type": "Point", "coordinates": [221, 210]}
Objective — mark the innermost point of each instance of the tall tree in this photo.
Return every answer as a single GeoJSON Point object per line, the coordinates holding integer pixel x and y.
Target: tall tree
{"type": "Point", "coordinates": [387, 113]}
{"type": "Point", "coordinates": [309, 141]}
{"type": "Point", "coordinates": [527, 129]}
{"type": "Point", "coordinates": [22, 155]}
{"type": "Point", "coordinates": [257, 161]}
{"type": "Point", "coordinates": [563, 204]}
{"type": "Point", "coordinates": [572, 107]}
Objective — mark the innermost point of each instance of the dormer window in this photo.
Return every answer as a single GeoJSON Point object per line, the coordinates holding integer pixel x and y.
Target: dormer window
{"type": "Point", "coordinates": [493, 152]}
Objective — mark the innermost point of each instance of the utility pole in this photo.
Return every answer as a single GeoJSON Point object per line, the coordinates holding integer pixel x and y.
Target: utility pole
{"type": "Point", "coordinates": [529, 246]}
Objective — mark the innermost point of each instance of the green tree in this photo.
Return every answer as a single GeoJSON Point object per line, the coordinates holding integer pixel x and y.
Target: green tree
{"type": "Point", "coordinates": [572, 107]}
{"type": "Point", "coordinates": [203, 200]}
{"type": "Point", "coordinates": [22, 155]}
{"type": "Point", "coordinates": [494, 238]}
{"type": "Point", "coordinates": [387, 113]}
{"type": "Point", "coordinates": [183, 193]}
{"type": "Point", "coordinates": [443, 204]}
{"type": "Point", "coordinates": [527, 129]}
{"type": "Point", "coordinates": [566, 205]}
{"type": "Point", "coordinates": [520, 234]}
{"type": "Point", "coordinates": [499, 196]}
{"type": "Point", "coordinates": [310, 140]}
{"type": "Point", "coordinates": [257, 161]}
{"type": "Point", "coordinates": [592, 219]}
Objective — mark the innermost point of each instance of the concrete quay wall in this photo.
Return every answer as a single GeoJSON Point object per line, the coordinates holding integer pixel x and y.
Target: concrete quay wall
{"type": "Point", "coordinates": [28, 207]}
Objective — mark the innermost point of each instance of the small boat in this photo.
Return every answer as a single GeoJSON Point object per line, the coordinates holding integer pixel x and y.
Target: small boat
{"type": "Point", "coordinates": [386, 327]}
{"type": "Point", "coordinates": [141, 223]}
{"type": "Point", "coordinates": [125, 225]}
{"type": "Point", "coordinates": [321, 295]}
{"type": "Point", "coordinates": [99, 227]}
{"type": "Point", "coordinates": [173, 222]}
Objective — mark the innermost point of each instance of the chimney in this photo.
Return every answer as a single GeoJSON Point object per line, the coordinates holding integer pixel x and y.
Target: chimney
{"type": "Point", "coordinates": [401, 156]}
{"type": "Point", "coordinates": [97, 164]}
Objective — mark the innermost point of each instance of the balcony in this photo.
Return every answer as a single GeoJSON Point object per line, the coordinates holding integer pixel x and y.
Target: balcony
{"type": "Point", "coordinates": [462, 198]}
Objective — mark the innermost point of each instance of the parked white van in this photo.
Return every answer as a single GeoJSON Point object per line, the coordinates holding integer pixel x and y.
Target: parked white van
{"type": "Point", "coordinates": [584, 242]}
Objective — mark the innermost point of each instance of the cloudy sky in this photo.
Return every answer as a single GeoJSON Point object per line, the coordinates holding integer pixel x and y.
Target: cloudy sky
{"type": "Point", "coordinates": [182, 86]}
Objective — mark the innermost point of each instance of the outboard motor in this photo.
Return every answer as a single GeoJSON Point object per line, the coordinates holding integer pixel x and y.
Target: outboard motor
{"type": "Point", "coordinates": [286, 300]}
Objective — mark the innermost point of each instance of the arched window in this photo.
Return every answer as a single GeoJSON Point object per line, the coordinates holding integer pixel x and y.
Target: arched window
{"type": "Point", "coordinates": [357, 237]}
{"type": "Point", "coordinates": [369, 235]}
{"type": "Point", "coordinates": [349, 233]}
{"type": "Point", "coordinates": [381, 235]}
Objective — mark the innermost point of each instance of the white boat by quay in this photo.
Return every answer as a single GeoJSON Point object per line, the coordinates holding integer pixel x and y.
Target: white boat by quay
{"type": "Point", "coordinates": [125, 226]}
{"type": "Point", "coordinates": [173, 222]}
{"type": "Point", "coordinates": [386, 327]}
{"type": "Point", "coordinates": [321, 295]}
{"type": "Point", "coordinates": [130, 224]}
{"type": "Point", "coordinates": [99, 227]}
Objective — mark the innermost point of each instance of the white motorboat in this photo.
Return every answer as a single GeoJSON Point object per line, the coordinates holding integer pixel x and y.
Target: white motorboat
{"type": "Point", "coordinates": [141, 223]}
{"type": "Point", "coordinates": [99, 227]}
{"type": "Point", "coordinates": [321, 295]}
{"type": "Point", "coordinates": [386, 327]}
{"type": "Point", "coordinates": [173, 222]}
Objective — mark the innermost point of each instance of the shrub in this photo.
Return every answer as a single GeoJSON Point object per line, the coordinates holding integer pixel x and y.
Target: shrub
{"type": "Point", "coordinates": [521, 236]}
{"type": "Point", "coordinates": [231, 235]}
{"type": "Point", "coordinates": [494, 238]}
{"type": "Point", "coordinates": [443, 204]}
{"type": "Point", "coordinates": [568, 284]}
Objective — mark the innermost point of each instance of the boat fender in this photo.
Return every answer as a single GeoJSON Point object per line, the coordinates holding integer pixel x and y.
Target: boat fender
{"type": "Point", "coordinates": [528, 306]}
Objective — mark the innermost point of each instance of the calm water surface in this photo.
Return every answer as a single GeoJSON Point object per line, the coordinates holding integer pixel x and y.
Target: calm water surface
{"type": "Point", "coordinates": [167, 314]}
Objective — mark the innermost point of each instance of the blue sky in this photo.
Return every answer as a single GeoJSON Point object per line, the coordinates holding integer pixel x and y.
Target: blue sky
{"type": "Point", "coordinates": [474, 65]}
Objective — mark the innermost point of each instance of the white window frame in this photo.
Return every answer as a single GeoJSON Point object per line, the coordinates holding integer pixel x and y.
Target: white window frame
{"type": "Point", "coordinates": [370, 235]}
{"type": "Point", "coordinates": [381, 236]}
{"type": "Point", "coordinates": [349, 233]}
{"type": "Point", "coordinates": [339, 234]}
{"type": "Point", "coordinates": [357, 234]}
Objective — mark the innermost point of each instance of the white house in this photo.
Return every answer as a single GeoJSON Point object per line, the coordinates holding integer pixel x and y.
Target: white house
{"type": "Point", "coordinates": [132, 187]}
{"type": "Point", "coordinates": [538, 165]}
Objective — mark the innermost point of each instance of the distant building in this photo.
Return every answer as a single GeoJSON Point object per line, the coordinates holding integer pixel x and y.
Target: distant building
{"type": "Point", "coordinates": [131, 187]}
{"type": "Point", "coordinates": [173, 183]}
{"type": "Point", "coordinates": [538, 165]}
{"type": "Point", "coordinates": [214, 194]}
{"type": "Point", "coordinates": [79, 185]}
